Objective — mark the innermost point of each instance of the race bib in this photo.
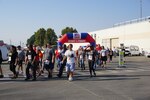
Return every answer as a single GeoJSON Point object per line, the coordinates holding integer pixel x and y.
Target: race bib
{"type": "Point", "coordinates": [47, 62]}
{"type": "Point", "coordinates": [81, 57]}
{"type": "Point", "coordinates": [29, 57]}
{"type": "Point", "coordinates": [90, 57]}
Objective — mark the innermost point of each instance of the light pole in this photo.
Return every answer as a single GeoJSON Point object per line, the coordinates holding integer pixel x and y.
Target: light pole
{"type": "Point", "coordinates": [95, 37]}
{"type": "Point", "coordinates": [141, 8]}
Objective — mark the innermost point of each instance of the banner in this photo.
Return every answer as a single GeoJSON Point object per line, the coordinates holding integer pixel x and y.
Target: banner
{"type": "Point", "coordinates": [76, 36]}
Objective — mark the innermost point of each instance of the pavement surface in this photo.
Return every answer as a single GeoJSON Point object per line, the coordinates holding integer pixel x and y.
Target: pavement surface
{"type": "Point", "coordinates": [127, 83]}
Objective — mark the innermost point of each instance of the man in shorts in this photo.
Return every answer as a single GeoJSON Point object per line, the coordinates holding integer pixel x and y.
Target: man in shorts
{"type": "Point", "coordinates": [49, 60]}
{"type": "Point", "coordinates": [70, 65]}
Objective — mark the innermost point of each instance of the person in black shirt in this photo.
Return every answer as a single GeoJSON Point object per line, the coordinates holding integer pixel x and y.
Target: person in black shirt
{"type": "Point", "coordinates": [13, 62]}
{"type": "Point", "coordinates": [1, 72]}
{"type": "Point", "coordinates": [91, 59]}
{"type": "Point", "coordinates": [62, 65]}
{"type": "Point", "coordinates": [30, 62]}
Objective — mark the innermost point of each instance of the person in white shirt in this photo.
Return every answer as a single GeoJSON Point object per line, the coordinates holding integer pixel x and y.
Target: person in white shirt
{"type": "Point", "coordinates": [103, 55]}
{"type": "Point", "coordinates": [71, 58]}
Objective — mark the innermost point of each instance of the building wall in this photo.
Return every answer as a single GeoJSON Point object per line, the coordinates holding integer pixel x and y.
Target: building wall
{"type": "Point", "coordinates": [130, 34]}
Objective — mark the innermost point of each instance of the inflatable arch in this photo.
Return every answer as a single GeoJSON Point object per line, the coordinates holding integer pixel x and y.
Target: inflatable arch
{"type": "Point", "coordinates": [76, 38]}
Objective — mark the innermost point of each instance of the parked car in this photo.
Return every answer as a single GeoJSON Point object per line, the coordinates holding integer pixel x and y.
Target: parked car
{"type": "Point", "coordinates": [4, 51]}
{"type": "Point", "coordinates": [147, 53]}
{"type": "Point", "coordinates": [132, 50]}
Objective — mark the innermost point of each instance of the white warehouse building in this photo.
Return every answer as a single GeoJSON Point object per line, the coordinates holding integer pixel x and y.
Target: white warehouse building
{"type": "Point", "coordinates": [134, 32]}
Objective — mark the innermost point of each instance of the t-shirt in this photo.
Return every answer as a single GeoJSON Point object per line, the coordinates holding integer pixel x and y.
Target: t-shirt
{"type": "Point", "coordinates": [49, 53]}
{"type": "Point", "coordinates": [21, 55]}
{"type": "Point", "coordinates": [70, 56]}
{"type": "Point", "coordinates": [81, 54]}
{"type": "Point", "coordinates": [0, 57]}
{"type": "Point", "coordinates": [13, 57]}
{"type": "Point", "coordinates": [103, 53]}
{"type": "Point", "coordinates": [91, 55]}
{"type": "Point", "coordinates": [30, 55]}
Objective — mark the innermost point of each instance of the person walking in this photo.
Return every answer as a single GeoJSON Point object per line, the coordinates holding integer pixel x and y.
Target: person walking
{"type": "Point", "coordinates": [110, 54]}
{"type": "Point", "coordinates": [1, 72]}
{"type": "Point", "coordinates": [91, 59]}
{"type": "Point", "coordinates": [70, 55]}
{"type": "Point", "coordinates": [62, 65]}
{"type": "Point", "coordinates": [49, 60]}
{"type": "Point", "coordinates": [30, 61]}
{"type": "Point", "coordinates": [21, 58]}
{"type": "Point", "coordinates": [81, 58]}
{"type": "Point", "coordinates": [103, 56]}
{"type": "Point", "coordinates": [13, 62]}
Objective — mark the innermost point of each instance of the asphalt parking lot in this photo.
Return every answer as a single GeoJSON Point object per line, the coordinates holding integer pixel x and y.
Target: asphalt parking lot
{"type": "Point", "coordinates": [128, 83]}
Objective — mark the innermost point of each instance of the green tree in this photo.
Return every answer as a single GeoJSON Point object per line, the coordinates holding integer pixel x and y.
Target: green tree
{"type": "Point", "coordinates": [68, 30]}
{"type": "Point", "coordinates": [39, 37]}
{"type": "Point", "coordinates": [31, 40]}
{"type": "Point", "coordinates": [50, 37]}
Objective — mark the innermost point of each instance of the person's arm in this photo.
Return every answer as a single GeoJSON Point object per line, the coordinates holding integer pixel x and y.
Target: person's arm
{"type": "Point", "coordinates": [34, 58]}
{"type": "Point", "coordinates": [65, 57]}
{"type": "Point", "coordinates": [16, 60]}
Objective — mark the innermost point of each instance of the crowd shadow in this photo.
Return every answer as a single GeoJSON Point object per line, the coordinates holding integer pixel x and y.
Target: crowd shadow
{"type": "Point", "coordinates": [78, 78]}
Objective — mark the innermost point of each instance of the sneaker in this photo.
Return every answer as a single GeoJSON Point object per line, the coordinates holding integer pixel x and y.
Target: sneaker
{"type": "Point", "coordinates": [1, 76]}
{"type": "Point", "coordinates": [95, 74]}
{"type": "Point", "coordinates": [34, 79]}
{"type": "Point", "coordinates": [26, 79]}
{"type": "Point", "coordinates": [70, 79]}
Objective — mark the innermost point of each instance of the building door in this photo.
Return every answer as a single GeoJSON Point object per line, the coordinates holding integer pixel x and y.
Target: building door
{"type": "Point", "coordinates": [114, 42]}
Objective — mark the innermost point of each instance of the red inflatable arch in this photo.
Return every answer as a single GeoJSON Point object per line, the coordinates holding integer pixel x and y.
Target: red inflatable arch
{"type": "Point", "coordinates": [76, 38]}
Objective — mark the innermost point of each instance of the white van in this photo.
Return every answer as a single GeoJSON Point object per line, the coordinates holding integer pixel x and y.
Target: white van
{"type": "Point", "coordinates": [132, 50]}
{"type": "Point", "coordinates": [4, 51]}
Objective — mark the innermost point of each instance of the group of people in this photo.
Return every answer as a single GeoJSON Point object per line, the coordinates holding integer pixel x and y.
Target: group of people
{"type": "Point", "coordinates": [100, 56]}
{"type": "Point", "coordinates": [36, 61]}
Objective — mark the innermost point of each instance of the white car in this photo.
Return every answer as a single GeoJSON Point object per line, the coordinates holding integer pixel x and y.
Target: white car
{"type": "Point", "coordinates": [147, 53]}
{"type": "Point", "coordinates": [4, 51]}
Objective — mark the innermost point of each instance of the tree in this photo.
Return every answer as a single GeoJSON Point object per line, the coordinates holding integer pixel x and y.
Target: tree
{"type": "Point", "coordinates": [39, 37]}
{"type": "Point", "coordinates": [68, 30]}
{"type": "Point", "coordinates": [50, 37]}
{"type": "Point", "coordinates": [31, 40]}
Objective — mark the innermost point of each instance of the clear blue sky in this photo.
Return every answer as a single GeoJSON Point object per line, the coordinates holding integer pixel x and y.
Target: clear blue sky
{"type": "Point", "coordinates": [19, 19]}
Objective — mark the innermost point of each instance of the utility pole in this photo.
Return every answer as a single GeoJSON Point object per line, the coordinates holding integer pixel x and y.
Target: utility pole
{"type": "Point", "coordinates": [141, 8]}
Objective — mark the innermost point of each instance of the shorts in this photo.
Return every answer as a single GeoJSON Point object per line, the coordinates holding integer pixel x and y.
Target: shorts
{"type": "Point", "coordinates": [49, 66]}
{"type": "Point", "coordinates": [70, 67]}
{"type": "Point", "coordinates": [104, 58]}
{"type": "Point", "coordinates": [20, 62]}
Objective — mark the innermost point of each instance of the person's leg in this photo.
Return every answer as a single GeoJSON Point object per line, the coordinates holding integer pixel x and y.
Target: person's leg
{"type": "Point", "coordinates": [90, 67]}
{"type": "Point", "coordinates": [68, 70]}
{"type": "Point", "coordinates": [93, 68]}
{"type": "Point", "coordinates": [27, 71]}
{"type": "Point", "coordinates": [34, 68]}
{"type": "Point", "coordinates": [14, 71]}
{"type": "Point", "coordinates": [1, 72]}
{"type": "Point", "coordinates": [61, 69]}
{"type": "Point", "coordinates": [72, 68]}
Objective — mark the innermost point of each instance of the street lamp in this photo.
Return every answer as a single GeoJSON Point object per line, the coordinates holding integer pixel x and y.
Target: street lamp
{"type": "Point", "coordinates": [95, 37]}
